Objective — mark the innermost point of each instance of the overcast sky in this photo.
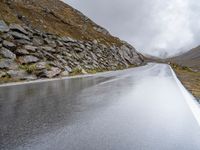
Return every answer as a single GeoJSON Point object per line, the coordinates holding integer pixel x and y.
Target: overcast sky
{"type": "Point", "coordinates": [151, 26]}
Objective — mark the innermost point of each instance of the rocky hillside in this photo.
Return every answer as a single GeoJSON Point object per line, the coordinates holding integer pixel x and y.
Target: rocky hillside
{"type": "Point", "coordinates": [47, 38]}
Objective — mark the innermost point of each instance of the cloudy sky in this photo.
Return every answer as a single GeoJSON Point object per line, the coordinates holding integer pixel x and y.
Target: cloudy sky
{"type": "Point", "coordinates": [154, 27]}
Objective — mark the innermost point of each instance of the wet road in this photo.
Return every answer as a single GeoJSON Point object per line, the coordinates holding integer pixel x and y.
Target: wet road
{"type": "Point", "coordinates": [135, 109]}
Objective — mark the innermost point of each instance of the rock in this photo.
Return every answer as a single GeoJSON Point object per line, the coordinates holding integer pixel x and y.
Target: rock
{"type": "Point", "coordinates": [23, 42]}
{"type": "Point", "coordinates": [68, 69]}
{"type": "Point", "coordinates": [60, 58]}
{"type": "Point", "coordinates": [7, 53]}
{"type": "Point", "coordinates": [67, 39]}
{"type": "Point", "coordinates": [9, 45]}
{"type": "Point", "coordinates": [59, 43]}
{"type": "Point", "coordinates": [50, 43]}
{"type": "Point", "coordinates": [28, 59]}
{"type": "Point", "coordinates": [17, 74]}
{"type": "Point", "coordinates": [57, 64]}
{"type": "Point", "coordinates": [49, 56]}
{"type": "Point", "coordinates": [21, 52]}
{"type": "Point", "coordinates": [38, 41]}
{"type": "Point", "coordinates": [41, 65]}
{"type": "Point", "coordinates": [30, 77]}
{"type": "Point", "coordinates": [20, 75]}
{"type": "Point", "coordinates": [48, 49]}
{"type": "Point", "coordinates": [8, 64]}
{"type": "Point", "coordinates": [83, 71]}
{"type": "Point", "coordinates": [65, 73]}
{"type": "Point", "coordinates": [3, 26]}
{"type": "Point", "coordinates": [18, 28]}
{"type": "Point", "coordinates": [53, 72]}
{"type": "Point", "coordinates": [30, 48]}
{"type": "Point", "coordinates": [93, 56]}
{"type": "Point", "coordinates": [102, 30]}
{"type": "Point", "coordinates": [95, 42]}
{"type": "Point", "coordinates": [2, 74]}
{"type": "Point", "coordinates": [78, 50]}
{"type": "Point", "coordinates": [17, 35]}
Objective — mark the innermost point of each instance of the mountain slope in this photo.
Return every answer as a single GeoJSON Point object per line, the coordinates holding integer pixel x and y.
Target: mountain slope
{"type": "Point", "coordinates": [189, 59]}
{"type": "Point", "coordinates": [56, 17]}
{"type": "Point", "coordinates": [48, 38]}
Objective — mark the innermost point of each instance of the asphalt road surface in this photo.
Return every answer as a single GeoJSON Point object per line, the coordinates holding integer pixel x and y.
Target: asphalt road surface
{"type": "Point", "coordinates": [145, 108]}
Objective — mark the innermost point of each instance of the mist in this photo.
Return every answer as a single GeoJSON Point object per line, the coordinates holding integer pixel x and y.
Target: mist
{"type": "Point", "coordinates": [157, 27]}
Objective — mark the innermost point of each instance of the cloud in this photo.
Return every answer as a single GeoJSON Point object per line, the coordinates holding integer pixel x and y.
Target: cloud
{"type": "Point", "coordinates": [154, 27]}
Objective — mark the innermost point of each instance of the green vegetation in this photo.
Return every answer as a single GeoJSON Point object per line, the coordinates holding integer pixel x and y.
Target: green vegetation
{"type": "Point", "coordinates": [76, 71]}
{"type": "Point", "coordinates": [28, 68]}
{"type": "Point", "coordinates": [7, 79]}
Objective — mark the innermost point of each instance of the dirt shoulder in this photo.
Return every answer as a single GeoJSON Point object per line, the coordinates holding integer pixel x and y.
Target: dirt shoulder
{"type": "Point", "coordinates": [190, 79]}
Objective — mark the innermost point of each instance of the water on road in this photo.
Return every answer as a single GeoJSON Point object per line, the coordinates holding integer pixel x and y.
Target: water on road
{"type": "Point", "coordinates": [135, 109]}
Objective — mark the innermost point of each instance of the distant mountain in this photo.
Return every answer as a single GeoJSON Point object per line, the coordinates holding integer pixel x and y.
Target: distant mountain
{"type": "Point", "coordinates": [190, 59]}
{"type": "Point", "coordinates": [149, 58]}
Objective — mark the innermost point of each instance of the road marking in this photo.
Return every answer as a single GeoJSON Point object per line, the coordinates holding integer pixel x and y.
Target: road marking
{"type": "Point", "coordinates": [189, 98]}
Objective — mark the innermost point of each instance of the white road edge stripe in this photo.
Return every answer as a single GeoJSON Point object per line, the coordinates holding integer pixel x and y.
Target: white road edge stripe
{"type": "Point", "coordinates": [189, 98]}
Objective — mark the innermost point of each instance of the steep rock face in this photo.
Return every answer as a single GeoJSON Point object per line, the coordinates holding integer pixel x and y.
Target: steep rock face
{"type": "Point", "coordinates": [48, 38]}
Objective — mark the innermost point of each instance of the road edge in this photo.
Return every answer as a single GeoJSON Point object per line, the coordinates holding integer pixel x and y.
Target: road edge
{"type": "Point", "coordinates": [189, 98]}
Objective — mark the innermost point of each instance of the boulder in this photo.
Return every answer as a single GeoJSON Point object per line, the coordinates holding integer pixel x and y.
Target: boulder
{"type": "Point", "coordinates": [2, 74]}
{"type": "Point", "coordinates": [93, 56]}
{"type": "Point", "coordinates": [41, 65]}
{"type": "Point", "coordinates": [20, 75]}
{"type": "Point", "coordinates": [60, 58]}
{"type": "Point", "coordinates": [8, 64]}
{"type": "Point", "coordinates": [3, 26]}
{"type": "Point", "coordinates": [17, 35]}
{"type": "Point", "coordinates": [21, 52]}
{"type": "Point", "coordinates": [102, 30]}
{"type": "Point", "coordinates": [78, 49]}
{"type": "Point", "coordinates": [18, 28]}
{"type": "Point", "coordinates": [67, 39]}
{"type": "Point", "coordinates": [95, 42]}
{"type": "Point", "coordinates": [28, 59]}
{"type": "Point", "coordinates": [48, 49]}
{"type": "Point", "coordinates": [50, 43]}
{"type": "Point", "coordinates": [59, 43]}
{"type": "Point", "coordinates": [68, 69]}
{"type": "Point", "coordinates": [54, 71]}
{"type": "Point", "coordinates": [9, 45]}
{"type": "Point", "coordinates": [30, 48]}
{"type": "Point", "coordinates": [49, 56]}
{"type": "Point", "coordinates": [38, 41]}
{"type": "Point", "coordinates": [65, 73]}
{"type": "Point", "coordinates": [7, 53]}
{"type": "Point", "coordinates": [17, 74]}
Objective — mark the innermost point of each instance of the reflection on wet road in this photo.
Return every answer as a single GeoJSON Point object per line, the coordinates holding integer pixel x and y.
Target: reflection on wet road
{"type": "Point", "coordinates": [140, 109]}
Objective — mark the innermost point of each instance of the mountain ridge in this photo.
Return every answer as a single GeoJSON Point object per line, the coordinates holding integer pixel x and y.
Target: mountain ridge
{"type": "Point", "coordinates": [189, 59]}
